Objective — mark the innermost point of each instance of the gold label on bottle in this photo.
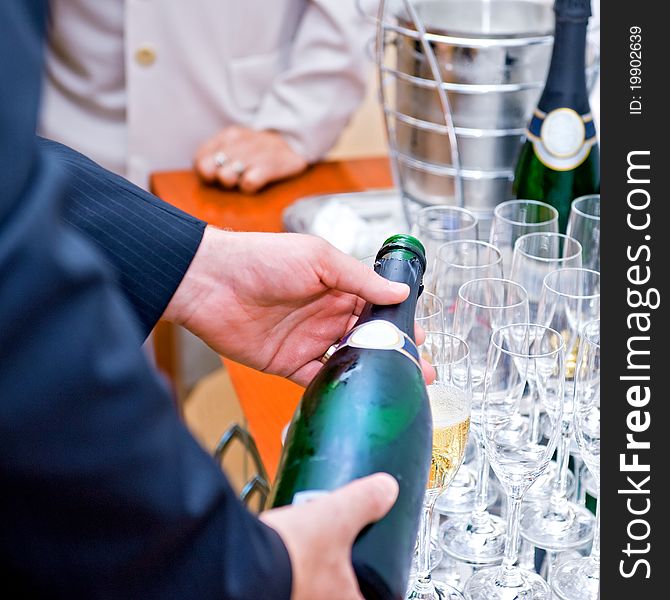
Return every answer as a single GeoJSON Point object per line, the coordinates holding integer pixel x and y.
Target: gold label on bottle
{"type": "Point", "coordinates": [562, 139]}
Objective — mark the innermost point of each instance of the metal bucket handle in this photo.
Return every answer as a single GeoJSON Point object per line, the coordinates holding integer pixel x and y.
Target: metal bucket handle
{"type": "Point", "coordinates": [259, 483]}
{"type": "Point", "coordinates": [439, 86]}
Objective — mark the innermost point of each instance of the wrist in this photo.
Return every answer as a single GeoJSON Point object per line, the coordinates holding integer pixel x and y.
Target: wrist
{"type": "Point", "coordinates": [200, 279]}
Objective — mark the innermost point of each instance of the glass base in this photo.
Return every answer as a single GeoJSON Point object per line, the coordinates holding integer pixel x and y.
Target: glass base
{"type": "Point", "coordinates": [543, 486]}
{"type": "Point", "coordinates": [461, 495]}
{"type": "Point", "coordinates": [557, 530]}
{"type": "Point", "coordinates": [577, 580]}
{"type": "Point", "coordinates": [432, 590]}
{"type": "Point", "coordinates": [452, 572]}
{"type": "Point", "coordinates": [478, 541]}
{"type": "Point", "coordinates": [487, 584]}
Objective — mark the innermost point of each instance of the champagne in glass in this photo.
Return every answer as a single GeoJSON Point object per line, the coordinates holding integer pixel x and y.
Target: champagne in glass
{"type": "Point", "coordinates": [450, 399]}
{"type": "Point", "coordinates": [451, 424]}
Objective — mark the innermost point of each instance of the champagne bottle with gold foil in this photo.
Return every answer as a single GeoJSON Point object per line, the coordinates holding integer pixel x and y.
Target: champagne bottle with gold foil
{"type": "Point", "coordinates": [368, 411]}
{"type": "Point", "coordinates": [560, 159]}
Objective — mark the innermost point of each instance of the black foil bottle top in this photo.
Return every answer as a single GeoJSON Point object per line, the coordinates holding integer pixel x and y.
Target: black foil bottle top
{"type": "Point", "coordinates": [572, 10]}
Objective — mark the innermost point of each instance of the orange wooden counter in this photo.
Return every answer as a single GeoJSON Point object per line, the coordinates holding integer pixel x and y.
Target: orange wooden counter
{"type": "Point", "coordinates": [267, 401]}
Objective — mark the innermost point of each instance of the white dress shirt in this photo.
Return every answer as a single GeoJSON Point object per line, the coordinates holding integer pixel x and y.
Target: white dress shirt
{"type": "Point", "coordinates": [138, 85]}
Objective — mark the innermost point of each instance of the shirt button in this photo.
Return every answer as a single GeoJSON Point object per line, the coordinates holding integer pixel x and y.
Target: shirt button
{"type": "Point", "coordinates": [145, 55]}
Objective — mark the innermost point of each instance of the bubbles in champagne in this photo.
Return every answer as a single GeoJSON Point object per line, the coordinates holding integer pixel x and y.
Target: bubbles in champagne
{"type": "Point", "coordinates": [451, 423]}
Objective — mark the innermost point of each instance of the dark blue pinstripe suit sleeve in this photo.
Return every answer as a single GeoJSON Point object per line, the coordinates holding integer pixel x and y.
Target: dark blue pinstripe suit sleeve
{"type": "Point", "coordinates": [148, 242]}
{"type": "Point", "coordinates": [104, 493]}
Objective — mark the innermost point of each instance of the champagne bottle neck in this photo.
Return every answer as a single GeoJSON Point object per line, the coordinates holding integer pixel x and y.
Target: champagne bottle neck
{"type": "Point", "coordinates": [401, 267]}
{"type": "Point", "coordinates": [566, 81]}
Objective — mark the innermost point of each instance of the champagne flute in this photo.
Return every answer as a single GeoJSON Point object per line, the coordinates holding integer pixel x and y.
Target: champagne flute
{"type": "Point", "coordinates": [570, 298]}
{"type": "Point", "coordinates": [458, 262]}
{"type": "Point", "coordinates": [450, 399]}
{"type": "Point", "coordinates": [429, 312]}
{"type": "Point", "coordinates": [483, 306]}
{"type": "Point", "coordinates": [584, 226]}
{"type": "Point", "coordinates": [579, 579]}
{"type": "Point", "coordinates": [435, 225]}
{"type": "Point", "coordinates": [515, 218]}
{"type": "Point", "coordinates": [538, 254]}
{"type": "Point", "coordinates": [535, 256]}
{"type": "Point", "coordinates": [518, 353]}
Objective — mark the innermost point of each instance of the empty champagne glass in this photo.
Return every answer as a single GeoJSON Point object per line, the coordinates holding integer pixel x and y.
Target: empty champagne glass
{"type": "Point", "coordinates": [584, 226]}
{"type": "Point", "coordinates": [518, 353]}
{"type": "Point", "coordinates": [435, 225]}
{"type": "Point", "coordinates": [536, 255]}
{"type": "Point", "coordinates": [429, 312]}
{"type": "Point", "coordinates": [570, 298]}
{"type": "Point", "coordinates": [579, 579]}
{"type": "Point", "coordinates": [450, 399]}
{"type": "Point", "coordinates": [458, 262]}
{"type": "Point", "coordinates": [515, 218]}
{"type": "Point", "coordinates": [483, 306]}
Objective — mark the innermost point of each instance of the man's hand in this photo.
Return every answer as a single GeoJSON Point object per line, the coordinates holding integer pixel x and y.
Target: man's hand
{"type": "Point", "coordinates": [248, 158]}
{"type": "Point", "coordinates": [275, 302]}
{"type": "Point", "coordinates": [319, 534]}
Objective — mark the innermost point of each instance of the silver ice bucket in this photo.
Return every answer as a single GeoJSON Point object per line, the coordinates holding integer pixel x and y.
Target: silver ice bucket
{"type": "Point", "coordinates": [490, 58]}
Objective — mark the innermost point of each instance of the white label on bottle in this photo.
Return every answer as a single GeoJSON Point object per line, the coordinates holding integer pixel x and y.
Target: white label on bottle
{"type": "Point", "coordinates": [563, 133]}
{"type": "Point", "coordinates": [307, 495]}
{"type": "Point", "coordinates": [380, 335]}
{"type": "Point", "coordinates": [562, 144]}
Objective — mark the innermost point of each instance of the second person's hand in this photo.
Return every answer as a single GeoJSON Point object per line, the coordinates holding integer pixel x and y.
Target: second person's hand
{"type": "Point", "coordinates": [247, 158]}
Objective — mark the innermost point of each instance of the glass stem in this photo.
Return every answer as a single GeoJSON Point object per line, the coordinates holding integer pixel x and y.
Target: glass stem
{"type": "Point", "coordinates": [482, 498]}
{"type": "Point", "coordinates": [550, 561]}
{"type": "Point", "coordinates": [595, 548]}
{"type": "Point", "coordinates": [580, 491]}
{"type": "Point", "coordinates": [511, 577]}
{"type": "Point", "coordinates": [535, 413]}
{"type": "Point", "coordinates": [563, 459]}
{"type": "Point", "coordinates": [527, 555]}
{"type": "Point", "coordinates": [423, 558]}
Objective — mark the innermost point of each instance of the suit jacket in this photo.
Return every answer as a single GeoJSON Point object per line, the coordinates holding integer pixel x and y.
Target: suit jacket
{"type": "Point", "coordinates": [136, 75]}
{"type": "Point", "coordinates": [105, 494]}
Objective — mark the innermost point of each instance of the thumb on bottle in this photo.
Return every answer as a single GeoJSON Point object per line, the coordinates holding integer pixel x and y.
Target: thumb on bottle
{"type": "Point", "coordinates": [365, 500]}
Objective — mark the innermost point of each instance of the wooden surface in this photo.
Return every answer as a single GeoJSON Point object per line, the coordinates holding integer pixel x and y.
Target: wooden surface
{"type": "Point", "coordinates": [267, 401]}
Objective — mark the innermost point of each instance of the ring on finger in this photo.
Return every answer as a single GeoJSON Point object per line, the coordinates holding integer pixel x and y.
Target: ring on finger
{"type": "Point", "coordinates": [328, 353]}
{"type": "Point", "coordinates": [220, 159]}
{"type": "Point", "coordinates": [238, 167]}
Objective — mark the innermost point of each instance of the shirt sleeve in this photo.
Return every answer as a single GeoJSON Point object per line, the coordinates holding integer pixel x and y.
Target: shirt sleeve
{"type": "Point", "coordinates": [148, 243]}
{"type": "Point", "coordinates": [311, 102]}
{"type": "Point", "coordinates": [105, 494]}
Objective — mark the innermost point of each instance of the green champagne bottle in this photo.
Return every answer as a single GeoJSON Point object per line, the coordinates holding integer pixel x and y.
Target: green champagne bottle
{"type": "Point", "coordinates": [560, 160]}
{"type": "Point", "coordinates": [367, 411]}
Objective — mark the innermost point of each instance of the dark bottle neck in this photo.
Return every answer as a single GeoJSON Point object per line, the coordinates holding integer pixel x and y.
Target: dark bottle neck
{"type": "Point", "coordinates": [402, 267]}
{"type": "Point", "coordinates": [566, 81]}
